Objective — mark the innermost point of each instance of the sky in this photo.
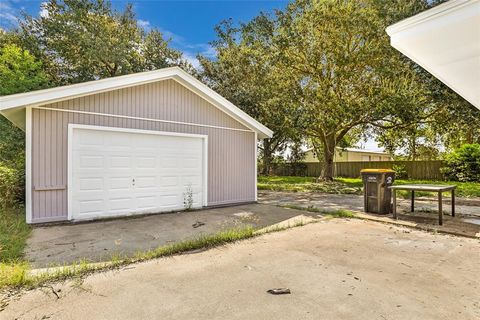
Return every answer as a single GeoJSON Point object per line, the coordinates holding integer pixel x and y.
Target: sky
{"type": "Point", "coordinates": [189, 24]}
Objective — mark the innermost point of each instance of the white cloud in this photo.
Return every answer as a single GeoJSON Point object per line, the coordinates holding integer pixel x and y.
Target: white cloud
{"type": "Point", "coordinates": [190, 50]}
{"type": "Point", "coordinates": [145, 24]}
{"type": "Point", "coordinates": [192, 59]}
{"type": "Point", "coordinates": [43, 10]}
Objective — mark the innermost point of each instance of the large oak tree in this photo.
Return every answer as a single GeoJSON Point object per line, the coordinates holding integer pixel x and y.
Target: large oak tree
{"type": "Point", "coordinates": [349, 75]}
{"type": "Point", "coordinates": [244, 72]}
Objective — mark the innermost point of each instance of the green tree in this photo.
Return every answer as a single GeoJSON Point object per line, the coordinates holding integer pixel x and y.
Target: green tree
{"type": "Point", "coordinates": [19, 72]}
{"type": "Point", "coordinates": [82, 40]}
{"type": "Point", "coordinates": [244, 72]}
{"type": "Point", "coordinates": [349, 75]}
{"type": "Point", "coordinates": [463, 164]}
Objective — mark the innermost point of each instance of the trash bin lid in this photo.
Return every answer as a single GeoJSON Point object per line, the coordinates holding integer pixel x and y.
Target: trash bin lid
{"type": "Point", "coordinates": [376, 170]}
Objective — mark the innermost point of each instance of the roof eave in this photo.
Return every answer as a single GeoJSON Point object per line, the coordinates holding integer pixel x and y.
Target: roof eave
{"type": "Point", "coordinates": [429, 14]}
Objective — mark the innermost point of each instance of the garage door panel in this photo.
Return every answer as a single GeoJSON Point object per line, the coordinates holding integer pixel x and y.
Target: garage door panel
{"type": "Point", "coordinates": [169, 162]}
{"type": "Point", "coordinates": [146, 162]}
{"type": "Point", "coordinates": [119, 183]}
{"type": "Point", "coordinates": [121, 203]}
{"type": "Point", "coordinates": [133, 173]}
{"type": "Point", "coordinates": [194, 163]}
{"type": "Point", "coordinates": [146, 183]}
{"type": "Point", "coordinates": [90, 161]}
{"type": "Point", "coordinates": [147, 202]}
{"type": "Point", "coordinates": [192, 181]}
{"type": "Point", "coordinates": [169, 181]}
{"type": "Point", "coordinates": [91, 184]}
{"type": "Point", "coordinates": [91, 206]}
{"type": "Point", "coordinates": [120, 162]}
{"type": "Point", "coordinates": [92, 138]}
{"type": "Point", "coordinates": [170, 201]}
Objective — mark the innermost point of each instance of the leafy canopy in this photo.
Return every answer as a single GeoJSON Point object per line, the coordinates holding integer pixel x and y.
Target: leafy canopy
{"type": "Point", "coordinates": [19, 71]}
{"type": "Point", "coordinates": [244, 72]}
{"type": "Point", "coordinates": [463, 164]}
{"type": "Point", "coordinates": [82, 40]}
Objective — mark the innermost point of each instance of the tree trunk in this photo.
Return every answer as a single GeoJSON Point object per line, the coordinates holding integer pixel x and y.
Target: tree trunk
{"type": "Point", "coordinates": [469, 136]}
{"type": "Point", "coordinates": [413, 147]}
{"type": "Point", "coordinates": [328, 155]}
{"type": "Point", "coordinates": [267, 157]}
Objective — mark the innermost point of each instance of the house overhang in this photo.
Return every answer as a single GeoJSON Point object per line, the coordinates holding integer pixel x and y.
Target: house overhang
{"type": "Point", "coordinates": [445, 41]}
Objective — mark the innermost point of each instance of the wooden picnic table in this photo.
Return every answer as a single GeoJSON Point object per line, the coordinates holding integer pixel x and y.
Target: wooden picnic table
{"type": "Point", "coordinates": [439, 189]}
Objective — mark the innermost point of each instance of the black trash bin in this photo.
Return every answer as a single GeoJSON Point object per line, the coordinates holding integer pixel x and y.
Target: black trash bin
{"type": "Point", "coordinates": [377, 197]}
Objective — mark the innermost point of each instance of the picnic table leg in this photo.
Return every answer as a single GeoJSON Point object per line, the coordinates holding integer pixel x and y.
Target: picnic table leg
{"type": "Point", "coordinates": [413, 202]}
{"type": "Point", "coordinates": [394, 204]}
{"type": "Point", "coordinates": [453, 202]}
{"type": "Point", "coordinates": [440, 212]}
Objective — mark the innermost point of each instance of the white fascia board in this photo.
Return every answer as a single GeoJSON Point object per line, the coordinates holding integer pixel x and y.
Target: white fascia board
{"type": "Point", "coordinates": [52, 95]}
{"type": "Point", "coordinates": [445, 41]}
{"type": "Point", "coordinates": [433, 13]}
{"type": "Point", "coordinates": [17, 102]}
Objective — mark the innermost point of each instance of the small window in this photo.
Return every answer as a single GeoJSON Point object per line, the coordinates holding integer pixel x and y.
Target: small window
{"type": "Point", "coordinates": [365, 158]}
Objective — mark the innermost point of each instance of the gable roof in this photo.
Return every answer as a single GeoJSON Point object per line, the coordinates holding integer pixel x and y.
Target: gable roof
{"type": "Point", "coordinates": [13, 106]}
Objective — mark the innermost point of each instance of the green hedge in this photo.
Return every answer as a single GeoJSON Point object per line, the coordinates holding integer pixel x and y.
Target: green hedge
{"type": "Point", "coordinates": [463, 164]}
{"type": "Point", "coordinates": [12, 185]}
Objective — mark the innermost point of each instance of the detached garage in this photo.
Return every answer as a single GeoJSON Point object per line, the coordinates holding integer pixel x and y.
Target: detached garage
{"type": "Point", "coordinates": [144, 143]}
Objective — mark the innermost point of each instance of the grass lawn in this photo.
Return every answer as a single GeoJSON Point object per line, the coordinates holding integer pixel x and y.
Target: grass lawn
{"type": "Point", "coordinates": [353, 185]}
{"type": "Point", "coordinates": [14, 233]}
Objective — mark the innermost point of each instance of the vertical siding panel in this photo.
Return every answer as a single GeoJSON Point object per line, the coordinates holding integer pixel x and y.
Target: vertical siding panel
{"type": "Point", "coordinates": [35, 164]}
{"type": "Point", "coordinates": [230, 153]}
{"type": "Point", "coordinates": [64, 169]}
{"type": "Point", "coordinates": [48, 162]}
{"type": "Point", "coordinates": [42, 155]}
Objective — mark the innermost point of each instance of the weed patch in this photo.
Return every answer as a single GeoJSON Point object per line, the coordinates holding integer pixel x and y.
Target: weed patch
{"type": "Point", "coordinates": [340, 213]}
{"type": "Point", "coordinates": [14, 232]}
{"type": "Point", "coordinates": [18, 274]}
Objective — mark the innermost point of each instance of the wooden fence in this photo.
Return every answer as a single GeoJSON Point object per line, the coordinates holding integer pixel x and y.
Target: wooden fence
{"type": "Point", "coordinates": [428, 170]}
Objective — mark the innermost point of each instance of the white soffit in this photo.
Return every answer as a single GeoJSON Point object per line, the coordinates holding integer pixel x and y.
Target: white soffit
{"type": "Point", "coordinates": [445, 41]}
{"type": "Point", "coordinates": [13, 106]}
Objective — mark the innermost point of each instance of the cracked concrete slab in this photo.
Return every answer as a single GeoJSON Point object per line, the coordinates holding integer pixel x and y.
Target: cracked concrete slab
{"type": "Point", "coordinates": [100, 240]}
{"type": "Point", "coordinates": [335, 269]}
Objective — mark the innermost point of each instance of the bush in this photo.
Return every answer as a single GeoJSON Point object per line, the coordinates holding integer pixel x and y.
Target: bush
{"type": "Point", "coordinates": [400, 171]}
{"type": "Point", "coordinates": [463, 164]}
{"type": "Point", "coordinates": [11, 186]}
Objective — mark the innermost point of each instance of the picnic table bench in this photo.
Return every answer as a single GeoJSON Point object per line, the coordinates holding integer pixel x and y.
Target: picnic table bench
{"type": "Point", "coordinates": [439, 189]}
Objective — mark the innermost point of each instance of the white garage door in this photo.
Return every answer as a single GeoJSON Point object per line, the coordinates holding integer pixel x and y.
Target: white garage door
{"type": "Point", "coordinates": [115, 173]}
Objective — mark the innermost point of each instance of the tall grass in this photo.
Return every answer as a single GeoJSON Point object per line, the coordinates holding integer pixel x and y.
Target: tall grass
{"type": "Point", "coordinates": [18, 274]}
{"type": "Point", "coordinates": [14, 232]}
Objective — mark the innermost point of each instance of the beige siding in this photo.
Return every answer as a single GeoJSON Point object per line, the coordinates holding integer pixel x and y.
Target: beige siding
{"type": "Point", "coordinates": [349, 156]}
{"type": "Point", "coordinates": [231, 153]}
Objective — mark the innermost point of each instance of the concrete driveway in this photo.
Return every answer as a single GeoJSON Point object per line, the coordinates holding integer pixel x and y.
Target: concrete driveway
{"type": "Point", "coordinates": [465, 223]}
{"type": "Point", "coordinates": [99, 240]}
{"type": "Point", "coordinates": [336, 269]}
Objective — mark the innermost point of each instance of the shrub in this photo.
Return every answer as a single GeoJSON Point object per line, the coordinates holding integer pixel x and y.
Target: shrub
{"type": "Point", "coordinates": [11, 186]}
{"type": "Point", "coordinates": [463, 164]}
{"type": "Point", "coordinates": [400, 171]}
